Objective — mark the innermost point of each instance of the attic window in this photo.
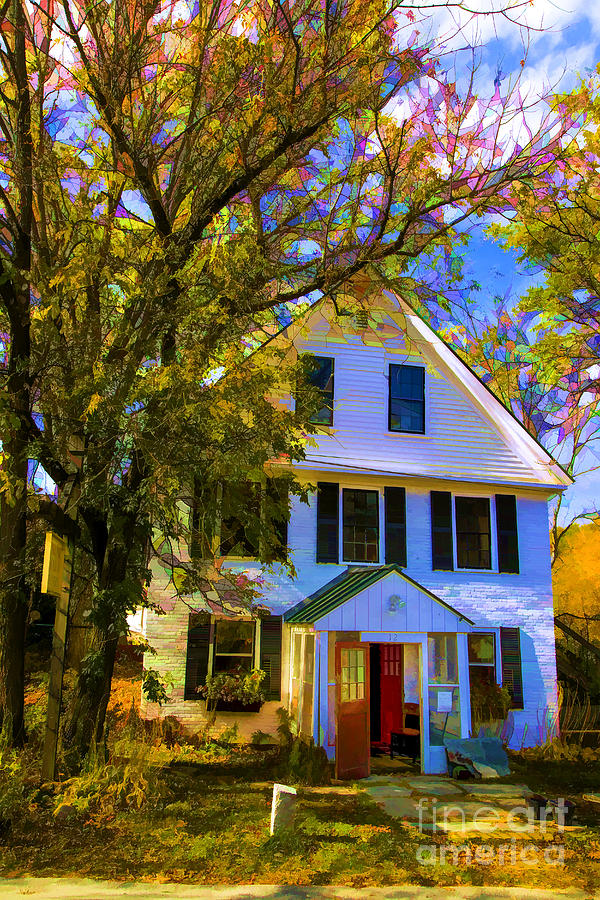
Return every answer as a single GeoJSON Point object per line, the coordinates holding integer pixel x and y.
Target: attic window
{"type": "Point", "coordinates": [319, 373]}
{"type": "Point", "coordinates": [407, 399]}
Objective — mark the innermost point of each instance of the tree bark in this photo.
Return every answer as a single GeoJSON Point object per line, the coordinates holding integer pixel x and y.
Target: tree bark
{"type": "Point", "coordinates": [118, 550]}
{"type": "Point", "coordinates": [86, 717]}
{"type": "Point", "coordinates": [13, 611]}
{"type": "Point", "coordinates": [13, 539]}
{"type": "Point", "coordinates": [14, 293]}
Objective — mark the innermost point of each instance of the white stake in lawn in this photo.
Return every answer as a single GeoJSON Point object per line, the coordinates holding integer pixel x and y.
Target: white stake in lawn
{"type": "Point", "coordinates": [283, 807]}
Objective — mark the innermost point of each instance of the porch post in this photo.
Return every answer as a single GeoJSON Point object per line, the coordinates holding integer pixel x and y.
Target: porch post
{"type": "Point", "coordinates": [464, 685]}
{"type": "Point", "coordinates": [424, 669]}
{"type": "Point", "coordinates": [322, 717]}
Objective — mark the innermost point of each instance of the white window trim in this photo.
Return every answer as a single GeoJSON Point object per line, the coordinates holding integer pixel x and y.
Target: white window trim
{"type": "Point", "coordinates": [211, 647]}
{"type": "Point", "coordinates": [427, 397]}
{"type": "Point", "coordinates": [493, 569]}
{"type": "Point", "coordinates": [381, 519]}
{"type": "Point", "coordinates": [497, 650]}
{"type": "Point", "coordinates": [327, 428]}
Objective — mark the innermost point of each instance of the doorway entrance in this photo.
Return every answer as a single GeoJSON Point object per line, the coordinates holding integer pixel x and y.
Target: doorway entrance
{"type": "Point", "coordinates": [395, 706]}
{"type": "Point", "coordinates": [379, 718]}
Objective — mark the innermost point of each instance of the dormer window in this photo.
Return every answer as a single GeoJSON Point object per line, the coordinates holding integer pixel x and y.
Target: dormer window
{"type": "Point", "coordinates": [319, 373]}
{"type": "Point", "coordinates": [407, 399]}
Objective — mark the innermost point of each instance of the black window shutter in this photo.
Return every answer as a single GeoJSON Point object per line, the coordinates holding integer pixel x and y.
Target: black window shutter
{"type": "Point", "coordinates": [270, 655]}
{"type": "Point", "coordinates": [200, 635]}
{"type": "Point", "coordinates": [395, 525]}
{"type": "Point", "coordinates": [328, 513]}
{"type": "Point", "coordinates": [278, 494]}
{"type": "Point", "coordinates": [203, 519]}
{"type": "Point", "coordinates": [512, 676]}
{"type": "Point", "coordinates": [506, 526]}
{"type": "Point", "coordinates": [442, 556]}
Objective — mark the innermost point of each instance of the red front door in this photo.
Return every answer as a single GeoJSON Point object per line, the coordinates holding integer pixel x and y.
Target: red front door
{"type": "Point", "coordinates": [391, 687]}
{"type": "Point", "coordinates": [352, 749]}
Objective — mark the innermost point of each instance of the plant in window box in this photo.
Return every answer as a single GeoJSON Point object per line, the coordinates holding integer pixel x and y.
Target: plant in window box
{"type": "Point", "coordinates": [235, 691]}
{"type": "Point", "coordinates": [490, 703]}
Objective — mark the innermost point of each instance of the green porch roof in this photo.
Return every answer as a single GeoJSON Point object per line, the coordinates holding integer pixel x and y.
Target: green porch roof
{"type": "Point", "coordinates": [346, 585]}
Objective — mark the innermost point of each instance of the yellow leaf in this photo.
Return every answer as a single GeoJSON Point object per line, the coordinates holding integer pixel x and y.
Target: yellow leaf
{"type": "Point", "coordinates": [92, 405]}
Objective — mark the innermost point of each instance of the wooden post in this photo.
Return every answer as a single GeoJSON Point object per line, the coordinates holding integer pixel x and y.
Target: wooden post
{"type": "Point", "coordinates": [56, 580]}
{"type": "Point", "coordinates": [57, 576]}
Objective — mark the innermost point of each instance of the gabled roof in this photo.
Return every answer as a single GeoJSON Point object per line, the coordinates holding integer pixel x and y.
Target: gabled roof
{"type": "Point", "coordinates": [504, 419]}
{"type": "Point", "coordinates": [347, 585]}
{"type": "Point", "coordinates": [442, 356]}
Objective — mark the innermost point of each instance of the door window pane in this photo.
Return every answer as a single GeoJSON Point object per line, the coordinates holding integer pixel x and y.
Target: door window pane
{"type": "Point", "coordinates": [353, 675]}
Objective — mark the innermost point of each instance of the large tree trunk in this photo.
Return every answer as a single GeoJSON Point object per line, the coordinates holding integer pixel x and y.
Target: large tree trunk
{"type": "Point", "coordinates": [87, 714]}
{"type": "Point", "coordinates": [16, 400]}
{"type": "Point", "coordinates": [13, 605]}
{"type": "Point", "coordinates": [114, 557]}
{"type": "Point", "coordinates": [81, 633]}
{"type": "Point", "coordinates": [13, 540]}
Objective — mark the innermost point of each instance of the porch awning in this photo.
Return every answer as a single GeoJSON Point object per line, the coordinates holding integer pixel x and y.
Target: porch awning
{"type": "Point", "coordinates": [350, 583]}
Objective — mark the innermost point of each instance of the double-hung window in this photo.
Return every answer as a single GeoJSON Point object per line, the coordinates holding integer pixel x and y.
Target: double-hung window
{"type": "Point", "coordinates": [466, 535]}
{"type": "Point", "coordinates": [221, 645]}
{"type": "Point", "coordinates": [319, 374]}
{"type": "Point", "coordinates": [482, 658]}
{"type": "Point", "coordinates": [234, 645]}
{"type": "Point", "coordinates": [473, 533]}
{"type": "Point", "coordinates": [241, 520]}
{"type": "Point", "coordinates": [406, 411]}
{"type": "Point", "coordinates": [361, 530]}
{"type": "Point", "coordinates": [361, 526]}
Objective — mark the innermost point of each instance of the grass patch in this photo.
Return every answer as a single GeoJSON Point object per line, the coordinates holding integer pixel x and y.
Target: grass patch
{"type": "Point", "coordinates": [163, 809]}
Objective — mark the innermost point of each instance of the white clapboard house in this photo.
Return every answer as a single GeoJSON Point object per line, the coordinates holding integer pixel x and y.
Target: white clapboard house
{"type": "Point", "coordinates": [423, 560]}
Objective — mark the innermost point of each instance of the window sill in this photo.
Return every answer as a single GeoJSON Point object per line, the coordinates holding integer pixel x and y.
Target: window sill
{"type": "Point", "coordinates": [411, 434]}
{"type": "Point", "coordinates": [241, 559]}
{"type": "Point", "coordinates": [360, 562]}
{"type": "Point", "coordinates": [458, 571]}
{"type": "Point", "coordinates": [478, 571]}
{"type": "Point", "coordinates": [237, 706]}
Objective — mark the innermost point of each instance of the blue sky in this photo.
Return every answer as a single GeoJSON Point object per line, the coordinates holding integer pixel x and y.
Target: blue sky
{"type": "Point", "coordinates": [561, 45]}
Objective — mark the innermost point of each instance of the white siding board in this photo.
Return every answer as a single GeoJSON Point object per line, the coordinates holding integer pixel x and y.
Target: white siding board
{"type": "Point", "coordinates": [459, 442]}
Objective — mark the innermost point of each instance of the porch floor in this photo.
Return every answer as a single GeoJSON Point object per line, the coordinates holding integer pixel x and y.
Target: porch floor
{"type": "Point", "coordinates": [436, 803]}
{"type": "Point", "coordinates": [400, 765]}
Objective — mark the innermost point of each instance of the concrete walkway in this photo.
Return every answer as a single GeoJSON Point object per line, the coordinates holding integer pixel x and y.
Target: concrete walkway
{"type": "Point", "coordinates": [435, 803]}
{"type": "Point", "coordinates": [87, 889]}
